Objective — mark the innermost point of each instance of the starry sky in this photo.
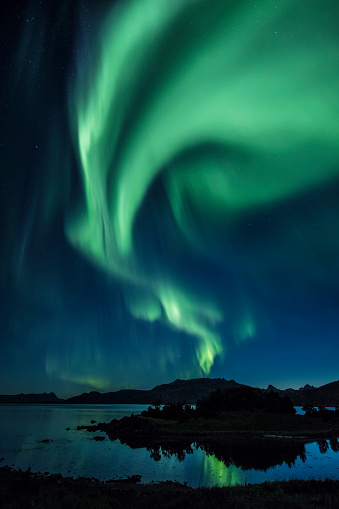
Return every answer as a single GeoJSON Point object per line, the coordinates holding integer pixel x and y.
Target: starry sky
{"type": "Point", "coordinates": [169, 193]}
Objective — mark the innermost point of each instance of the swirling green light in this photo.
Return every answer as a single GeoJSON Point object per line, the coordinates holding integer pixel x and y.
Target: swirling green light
{"type": "Point", "coordinates": [233, 104]}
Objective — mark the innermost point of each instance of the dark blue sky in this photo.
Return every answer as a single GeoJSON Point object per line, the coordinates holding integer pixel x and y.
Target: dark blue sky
{"type": "Point", "coordinates": [169, 194]}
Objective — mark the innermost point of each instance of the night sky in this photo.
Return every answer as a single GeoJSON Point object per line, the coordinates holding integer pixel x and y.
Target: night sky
{"type": "Point", "coordinates": [169, 181]}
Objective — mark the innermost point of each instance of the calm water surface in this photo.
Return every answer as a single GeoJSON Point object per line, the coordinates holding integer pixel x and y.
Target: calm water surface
{"type": "Point", "coordinates": [75, 453]}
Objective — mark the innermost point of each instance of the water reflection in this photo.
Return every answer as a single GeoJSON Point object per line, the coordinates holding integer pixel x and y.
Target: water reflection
{"type": "Point", "coordinates": [257, 453]}
{"type": "Point", "coordinates": [334, 443]}
{"type": "Point", "coordinates": [216, 472]}
{"type": "Point", "coordinates": [199, 461]}
{"type": "Point", "coordinates": [177, 450]}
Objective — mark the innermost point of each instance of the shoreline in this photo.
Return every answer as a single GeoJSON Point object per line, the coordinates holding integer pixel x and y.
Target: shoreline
{"type": "Point", "coordinates": [21, 489]}
{"type": "Point", "coordinates": [235, 426]}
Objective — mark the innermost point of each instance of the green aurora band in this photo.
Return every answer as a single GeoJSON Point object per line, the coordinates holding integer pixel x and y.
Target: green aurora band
{"type": "Point", "coordinates": [230, 106]}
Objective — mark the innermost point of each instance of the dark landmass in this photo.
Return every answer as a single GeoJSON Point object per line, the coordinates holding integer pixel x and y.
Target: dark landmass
{"type": "Point", "coordinates": [326, 395]}
{"type": "Point", "coordinates": [179, 390]}
{"type": "Point", "coordinates": [189, 391]}
{"type": "Point", "coordinates": [22, 489]}
{"type": "Point", "coordinates": [240, 425]}
{"type": "Point", "coordinates": [126, 396]}
{"type": "Point", "coordinates": [31, 398]}
{"type": "Point", "coordinates": [246, 451]}
{"type": "Point", "coordinates": [235, 411]}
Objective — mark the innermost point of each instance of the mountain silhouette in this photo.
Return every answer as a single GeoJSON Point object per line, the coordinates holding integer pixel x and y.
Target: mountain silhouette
{"type": "Point", "coordinates": [182, 390]}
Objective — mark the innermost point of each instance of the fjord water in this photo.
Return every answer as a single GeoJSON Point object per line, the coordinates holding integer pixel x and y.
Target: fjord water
{"type": "Point", "coordinates": [25, 429]}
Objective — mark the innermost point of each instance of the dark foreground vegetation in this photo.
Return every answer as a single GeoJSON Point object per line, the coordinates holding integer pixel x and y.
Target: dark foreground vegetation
{"type": "Point", "coordinates": [244, 410]}
{"type": "Point", "coordinates": [242, 398]}
{"type": "Point", "coordinates": [21, 490]}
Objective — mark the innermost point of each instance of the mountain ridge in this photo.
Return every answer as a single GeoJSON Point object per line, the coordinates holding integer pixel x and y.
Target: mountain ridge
{"type": "Point", "coordinates": [31, 398]}
{"type": "Point", "coordinates": [181, 390]}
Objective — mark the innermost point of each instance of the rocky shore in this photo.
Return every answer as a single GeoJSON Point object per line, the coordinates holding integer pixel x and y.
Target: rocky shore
{"type": "Point", "coordinates": [22, 490]}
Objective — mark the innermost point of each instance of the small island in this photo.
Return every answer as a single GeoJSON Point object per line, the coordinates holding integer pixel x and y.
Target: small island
{"type": "Point", "coordinates": [224, 413]}
{"type": "Point", "coordinates": [240, 425]}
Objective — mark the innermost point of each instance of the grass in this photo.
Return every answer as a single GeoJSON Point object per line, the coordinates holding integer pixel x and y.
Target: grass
{"type": "Point", "coordinates": [23, 490]}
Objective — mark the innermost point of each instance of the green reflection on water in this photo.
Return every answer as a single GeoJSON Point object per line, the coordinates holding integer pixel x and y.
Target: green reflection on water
{"type": "Point", "coordinates": [216, 473]}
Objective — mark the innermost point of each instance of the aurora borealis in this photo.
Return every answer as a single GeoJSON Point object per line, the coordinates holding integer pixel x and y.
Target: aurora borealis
{"type": "Point", "coordinates": [169, 193]}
